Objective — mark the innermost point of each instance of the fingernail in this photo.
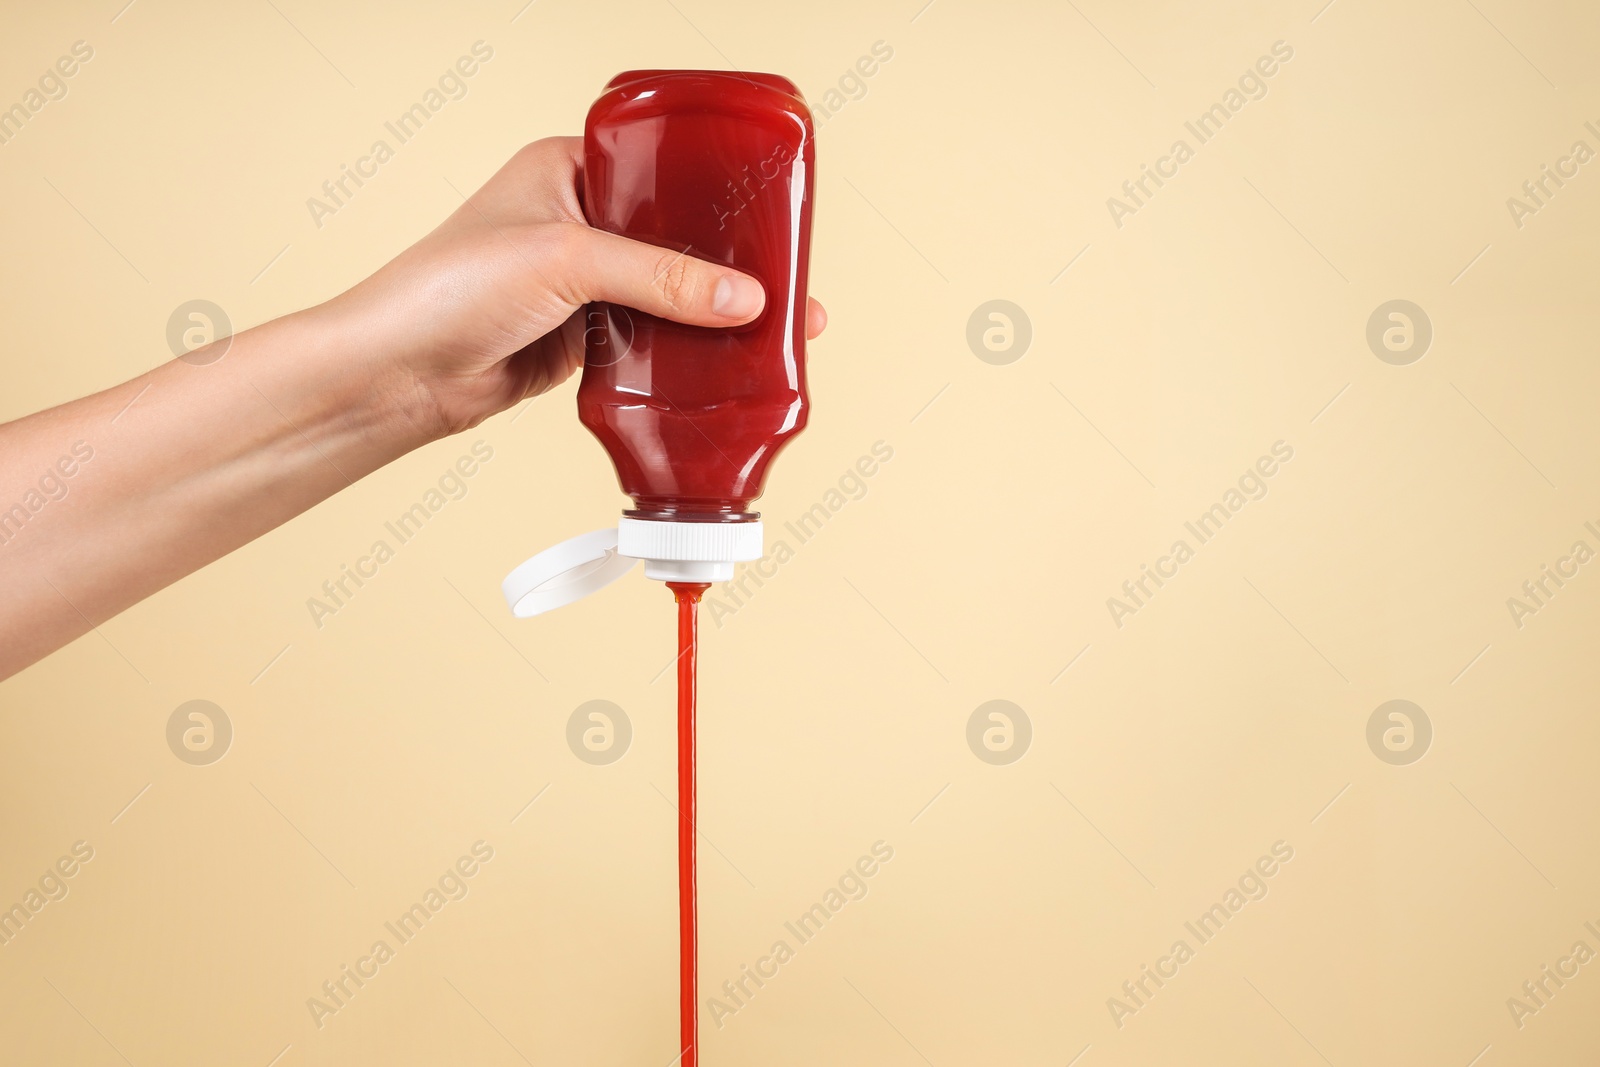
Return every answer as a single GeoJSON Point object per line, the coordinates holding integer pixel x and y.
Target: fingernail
{"type": "Point", "coordinates": [737, 297]}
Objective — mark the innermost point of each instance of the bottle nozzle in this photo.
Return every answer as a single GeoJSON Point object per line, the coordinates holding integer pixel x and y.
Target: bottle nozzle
{"type": "Point", "coordinates": [672, 552]}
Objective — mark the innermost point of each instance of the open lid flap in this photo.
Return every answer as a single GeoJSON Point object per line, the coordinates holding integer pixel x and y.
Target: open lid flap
{"type": "Point", "coordinates": [565, 572]}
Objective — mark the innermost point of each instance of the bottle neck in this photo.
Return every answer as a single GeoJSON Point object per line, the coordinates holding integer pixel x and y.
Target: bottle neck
{"type": "Point", "coordinates": [717, 512]}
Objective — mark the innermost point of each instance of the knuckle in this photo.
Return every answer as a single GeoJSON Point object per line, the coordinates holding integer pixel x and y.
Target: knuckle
{"type": "Point", "coordinates": [564, 240]}
{"type": "Point", "coordinates": [562, 246]}
{"type": "Point", "coordinates": [676, 280]}
{"type": "Point", "coordinates": [543, 148]}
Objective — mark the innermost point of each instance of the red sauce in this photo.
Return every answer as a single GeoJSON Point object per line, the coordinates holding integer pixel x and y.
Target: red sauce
{"type": "Point", "coordinates": [688, 596]}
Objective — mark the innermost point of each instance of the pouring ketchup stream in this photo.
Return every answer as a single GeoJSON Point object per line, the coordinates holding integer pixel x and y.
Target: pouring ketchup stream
{"type": "Point", "coordinates": [688, 596]}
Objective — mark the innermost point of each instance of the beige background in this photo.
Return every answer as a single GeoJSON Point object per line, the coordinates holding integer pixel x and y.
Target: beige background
{"type": "Point", "coordinates": [1230, 713]}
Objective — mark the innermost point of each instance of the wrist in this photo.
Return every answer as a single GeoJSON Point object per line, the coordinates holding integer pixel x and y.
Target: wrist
{"type": "Point", "coordinates": [345, 374]}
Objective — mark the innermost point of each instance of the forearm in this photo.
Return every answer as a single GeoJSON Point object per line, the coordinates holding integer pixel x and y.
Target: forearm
{"type": "Point", "coordinates": [181, 466]}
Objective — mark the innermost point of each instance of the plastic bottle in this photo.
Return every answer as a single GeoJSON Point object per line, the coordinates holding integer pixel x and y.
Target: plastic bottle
{"type": "Point", "coordinates": [717, 165]}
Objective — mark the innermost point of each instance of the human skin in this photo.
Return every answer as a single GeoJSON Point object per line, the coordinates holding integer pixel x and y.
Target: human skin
{"type": "Point", "coordinates": [206, 456]}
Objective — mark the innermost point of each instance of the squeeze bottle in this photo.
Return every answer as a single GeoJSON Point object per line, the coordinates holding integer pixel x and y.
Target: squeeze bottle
{"type": "Point", "coordinates": [717, 165]}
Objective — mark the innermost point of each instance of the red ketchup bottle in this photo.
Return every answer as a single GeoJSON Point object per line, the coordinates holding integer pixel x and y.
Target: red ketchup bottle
{"type": "Point", "coordinates": [717, 165]}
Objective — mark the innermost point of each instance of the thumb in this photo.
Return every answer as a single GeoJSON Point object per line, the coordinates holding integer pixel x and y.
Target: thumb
{"type": "Point", "coordinates": [659, 281]}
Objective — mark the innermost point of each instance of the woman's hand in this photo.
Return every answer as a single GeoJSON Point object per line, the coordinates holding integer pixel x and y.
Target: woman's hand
{"type": "Point", "coordinates": [488, 308]}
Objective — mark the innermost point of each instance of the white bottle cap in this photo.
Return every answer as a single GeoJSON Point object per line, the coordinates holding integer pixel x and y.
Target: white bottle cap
{"type": "Point", "coordinates": [566, 572]}
{"type": "Point", "coordinates": [672, 552]}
